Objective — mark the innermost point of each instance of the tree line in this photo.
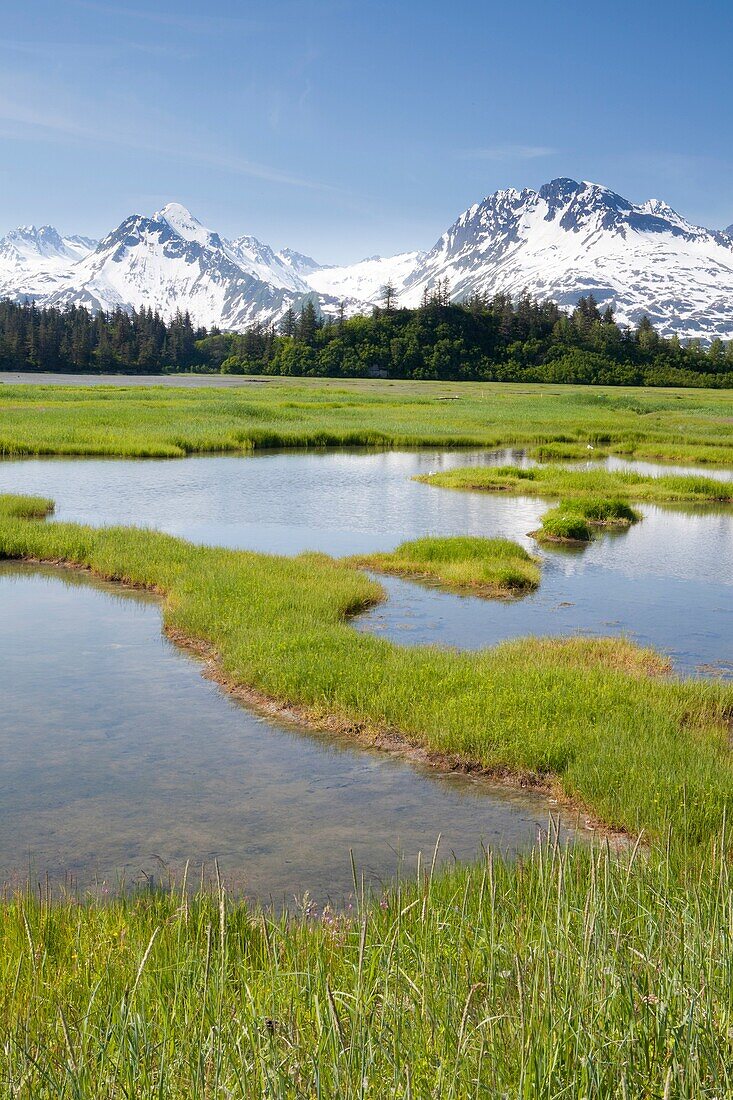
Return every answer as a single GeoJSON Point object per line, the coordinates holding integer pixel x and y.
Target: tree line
{"type": "Point", "coordinates": [483, 338]}
{"type": "Point", "coordinates": [76, 340]}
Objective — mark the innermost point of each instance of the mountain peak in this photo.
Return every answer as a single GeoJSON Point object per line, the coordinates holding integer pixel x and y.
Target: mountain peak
{"type": "Point", "coordinates": [298, 261]}
{"type": "Point", "coordinates": [39, 235]}
{"type": "Point", "coordinates": [180, 219]}
{"type": "Point", "coordinates": [561, 189]}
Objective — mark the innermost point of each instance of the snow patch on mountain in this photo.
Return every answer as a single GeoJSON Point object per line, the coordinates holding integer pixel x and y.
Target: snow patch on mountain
{"type": "Point", "coordinates": [34, 261]}
{"type": "Point", "coordinates": [299, 263]}
{"type": "Point", "coordinates": [264, 264]}
{"type": "Point", "coordinates": [364, 281]}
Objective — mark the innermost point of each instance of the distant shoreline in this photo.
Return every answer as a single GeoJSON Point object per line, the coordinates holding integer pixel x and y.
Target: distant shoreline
{"type": "Point", "coordinates": [194, 380]}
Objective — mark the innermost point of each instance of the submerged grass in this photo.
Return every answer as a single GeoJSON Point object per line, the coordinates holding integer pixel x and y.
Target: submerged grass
{"type": "Point", "coordinates": [641, 752]}
{"type": "Point", "coordinates": [573, 972]}
{"type": "Point", "coordinates": [155, 421]}
{"type": "Point", "coordinates": [564, 481]}
{"type": "Point", "coordinates": [485, 567]}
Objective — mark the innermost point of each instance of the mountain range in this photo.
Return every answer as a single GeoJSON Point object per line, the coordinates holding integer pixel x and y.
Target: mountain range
{"type": "Point", "coordinates": [565, 240]}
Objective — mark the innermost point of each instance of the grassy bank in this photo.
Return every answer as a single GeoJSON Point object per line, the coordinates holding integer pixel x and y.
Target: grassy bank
{"type": "Point", "coordinates": [15, 507]}
{"type": "Point", "coordinates": [674, 425]}
{"type": "Point", "coordinates": [485, 567]}
{"type": "Point", "coordinates": [564, 481]}
{"type": "Point", "coordinates": [569, 973]}
{"type": "Point", "coordinates": [593, 717]}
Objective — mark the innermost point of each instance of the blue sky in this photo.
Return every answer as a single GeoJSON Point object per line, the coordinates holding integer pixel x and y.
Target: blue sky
{"type": "Point", "coordinates": [345, 129]}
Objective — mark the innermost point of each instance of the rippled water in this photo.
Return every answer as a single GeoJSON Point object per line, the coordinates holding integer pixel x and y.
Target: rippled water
{"type": "Point", "coordinates": [119, 756]}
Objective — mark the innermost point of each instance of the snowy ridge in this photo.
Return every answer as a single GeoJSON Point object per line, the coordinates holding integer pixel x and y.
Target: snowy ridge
{"type": "Point", "coordinates": [35, 261]}
{"type": "Point", "coordinates": [570, 239]}
{"type": "Point", "coordinates": [563, 241]}
{"type": "Point", "coordinates": [364, 280]}
{"type": "Point", "coordinates": [172, 262]}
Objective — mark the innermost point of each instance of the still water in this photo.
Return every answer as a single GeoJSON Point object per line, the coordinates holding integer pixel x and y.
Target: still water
{"type": "Point", "coordinates": [119, 758]}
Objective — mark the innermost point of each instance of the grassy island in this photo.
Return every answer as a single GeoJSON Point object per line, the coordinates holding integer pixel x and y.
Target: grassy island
{"type": "Point", "coordinates": [584, 484]}
{"type": "Point", "coordinates": [576, 519]}
{"type": "Point", "coordinates": [483, 567]}
{"type": "Point", "coordinates": [592, 717]}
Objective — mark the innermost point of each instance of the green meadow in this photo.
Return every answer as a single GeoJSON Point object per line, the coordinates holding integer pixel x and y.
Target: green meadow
{"type": "Point", "coordinates": [665, 424]}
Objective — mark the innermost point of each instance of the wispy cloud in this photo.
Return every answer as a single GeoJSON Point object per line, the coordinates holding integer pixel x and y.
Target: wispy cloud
{"type": "Point", "coordinates": [205, 24]}
{"type": "Point", "coordinates": [23, 122]}
{"type": "Point", "coordinates": [507, 152]}
{"type": "Point", "coordinates": [87, 51]}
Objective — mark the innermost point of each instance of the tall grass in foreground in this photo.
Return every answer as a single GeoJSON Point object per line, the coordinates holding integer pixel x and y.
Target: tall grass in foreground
{"type": "Point", "coordinates": [597, 719]}
{"type": "Point", "coordinates": [573, 972]}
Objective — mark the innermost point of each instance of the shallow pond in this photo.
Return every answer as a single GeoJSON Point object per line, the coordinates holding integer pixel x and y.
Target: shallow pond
{"type": "Point", "coordinates": [667, 582]}
{"type": "Point", "coordinates": [118, 752]}
{"type": "Point", "coordinates": [120, 758]}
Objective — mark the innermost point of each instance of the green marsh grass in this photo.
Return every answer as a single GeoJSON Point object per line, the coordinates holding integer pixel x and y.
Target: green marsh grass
{"type": "Point", "coordinates": [488, 567]}
{"type": "Point", "coordinates": [155, 421]}
{"type": "Point", "coordinates": [571, 972]}
{"type": "Point", "coordinates": [563, 525]}
{"type": "Point", "coordinates": [574, 520]}
{"type": "Point", "coordinates": [15, 507]}
{"type": "Point", "coordinates": [603, 512]}
{"type": "Point", "coordinates": [595, 718]}
{"type": "Point", "coordinates": [564, 481]}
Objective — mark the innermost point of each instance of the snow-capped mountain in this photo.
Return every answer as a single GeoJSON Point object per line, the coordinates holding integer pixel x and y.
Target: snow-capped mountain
{"type": "Point", "coordinates": [303, 265]}
{"type": "Point", "coordinates": [264, 264]}
{"type": "Point", "coordinates": [563, 241]}
{"type": "Point", "coordinates": [570, 239]}
{"type": "Point", "coordinates": [171, 261]}
{"type": "Point", "coordinates": [35, 261]}
{"type": "Point", "coordinates": [364, 281]}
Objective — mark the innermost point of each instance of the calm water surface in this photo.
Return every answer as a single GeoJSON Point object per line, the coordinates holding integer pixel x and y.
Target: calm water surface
{"type": "Point", "coordinates": [119, 756]}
